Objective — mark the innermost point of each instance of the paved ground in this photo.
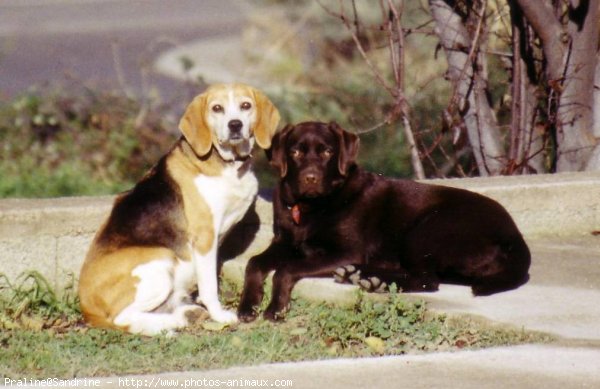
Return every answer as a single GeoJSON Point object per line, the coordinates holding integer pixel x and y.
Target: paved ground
{"type": "Point", "coordinates": [56, 40]}
{"type": "Point", "coordinates": [517, 367]}
{"type": "Point", "coordinates": [561, 298]}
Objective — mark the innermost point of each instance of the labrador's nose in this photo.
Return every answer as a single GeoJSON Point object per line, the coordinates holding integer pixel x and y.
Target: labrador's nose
{"type": "Point", "coordinates": [310, 178]}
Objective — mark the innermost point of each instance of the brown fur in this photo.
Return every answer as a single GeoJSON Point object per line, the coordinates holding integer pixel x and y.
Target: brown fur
{"type": "Point", "coordinates": [194, 127]}
{"type": "Point", "coordinates": [162, 214]}
{"type": "Point", "coordinates": [332, 217]}
{"type": "Point", "coordinates": [184, 169]}
{"type": "Point", "coordinates": [108, 265]}
{"type": "Point", "coordinates": [111, 273]}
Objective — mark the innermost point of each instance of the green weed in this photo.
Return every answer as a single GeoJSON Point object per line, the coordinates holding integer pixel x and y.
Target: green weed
{"type": "Point", "coordinates": [72, 140]}
{"type": "Point", "coordinates": [63, 347]}
{"type": "Point", "coordinates": [31, 303]}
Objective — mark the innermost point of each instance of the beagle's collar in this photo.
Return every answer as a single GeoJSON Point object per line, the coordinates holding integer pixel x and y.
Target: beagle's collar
{"type": "Point", "coordinates": [244, 162]}
{"type": "Point", "coordinates": [237, 158]}
{"type": "Point", "coordinates": [245, 166]}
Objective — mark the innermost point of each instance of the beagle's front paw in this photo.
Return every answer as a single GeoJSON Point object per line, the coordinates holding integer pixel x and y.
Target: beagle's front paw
{"type": "Point", "coordinates": [194, 314]}
{"type": "Point", "coordinates": [223, 316]}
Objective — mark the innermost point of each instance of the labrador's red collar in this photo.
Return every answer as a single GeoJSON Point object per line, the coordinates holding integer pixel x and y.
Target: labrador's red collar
{"type": "Point", "coordinates": [296, 214]}
{"type": "Point", "coordinates": [297, 211]}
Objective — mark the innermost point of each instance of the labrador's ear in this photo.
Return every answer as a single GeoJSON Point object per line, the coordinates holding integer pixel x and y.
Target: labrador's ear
{"type": "Point", "coordinates": [194, 127]}
{"type": "Point", "coordinates": [277, 154]}
{"type": "Point", "coordinates": [349, 144]}
{"type": "Point", "coordinates": [267, 119]}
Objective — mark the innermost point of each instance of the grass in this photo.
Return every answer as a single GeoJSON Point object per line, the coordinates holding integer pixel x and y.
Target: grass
{"type": "Point", "coordinates": [75, 140]}
{"type": "Point", "coordinates": [42, 335]}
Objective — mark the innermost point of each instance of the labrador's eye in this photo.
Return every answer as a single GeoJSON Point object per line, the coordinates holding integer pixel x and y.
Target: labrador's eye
{"type": "Point", "coordinates": [327, 153]}
{"type": "Point", "coordinates": [217, 108]}
{"type": "Point", "coordinates": [295, 153]}
{"type": "Point", "coordinates": [245, 106]}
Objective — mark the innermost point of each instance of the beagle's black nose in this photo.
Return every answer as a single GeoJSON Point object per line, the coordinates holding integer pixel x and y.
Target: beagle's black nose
{"type": "Point", "coordinates": [235, 126]}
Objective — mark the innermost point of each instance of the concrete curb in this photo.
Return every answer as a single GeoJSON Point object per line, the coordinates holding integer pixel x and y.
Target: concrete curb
{"type": "Point", "coordinates": [528, 366]}
{"type": "Point", "coordinates": [547, 204]}
{"type": "Point", "coordinates": [52, 235]}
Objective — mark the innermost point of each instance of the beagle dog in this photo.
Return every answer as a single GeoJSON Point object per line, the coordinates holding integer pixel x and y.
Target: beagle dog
{"type": "Point", "coordinates": [161, 239]}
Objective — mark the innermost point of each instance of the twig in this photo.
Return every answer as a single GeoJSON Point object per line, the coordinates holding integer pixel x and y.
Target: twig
{"type": "Point", "coordinates": [397, 53]}
{"type": "Point", "coordinates": [398, 63]}
{"type": "Point", "coordinates": [373, 128]}
{"type": "Point", "coordinates": [119, 70]}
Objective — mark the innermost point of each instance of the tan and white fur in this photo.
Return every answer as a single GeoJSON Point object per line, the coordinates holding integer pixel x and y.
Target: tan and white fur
{"type": "Point", "coordinates": [161, 239]}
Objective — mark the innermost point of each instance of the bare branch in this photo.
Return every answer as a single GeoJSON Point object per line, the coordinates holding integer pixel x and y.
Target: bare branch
{"type": "Point", "coordinates": [396, 50]}
{"type": "Point", "coordinates": [540, 16]}
{"type": "Point", "coordinates": [466, 70]}
{"type": "Point", "coordinates": [373, 128]}
{"type": "Point", "coordinates": [356, 21]}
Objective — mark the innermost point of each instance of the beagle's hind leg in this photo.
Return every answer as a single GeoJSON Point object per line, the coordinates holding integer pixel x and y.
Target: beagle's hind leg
{"type": "Point", "coordinates": [153, 310]}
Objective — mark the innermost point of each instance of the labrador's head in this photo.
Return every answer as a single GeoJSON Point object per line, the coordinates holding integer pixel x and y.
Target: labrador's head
{"type": "Point", "coordinates": [313, 158]}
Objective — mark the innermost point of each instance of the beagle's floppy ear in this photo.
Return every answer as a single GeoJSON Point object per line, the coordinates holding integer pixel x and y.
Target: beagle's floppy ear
{"type": "Point", "coordinates": [277, 154]}
{"type": "Point", "coordinates": [267, 119]}
{"type": "Point", "coordinates": [349, 144]}
{"type": "Point", "coordinates": [194, 127]}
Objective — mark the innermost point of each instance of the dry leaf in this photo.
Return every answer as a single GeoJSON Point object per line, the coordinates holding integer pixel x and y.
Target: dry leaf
{"type": "Point", "coordinates": [375, 344]}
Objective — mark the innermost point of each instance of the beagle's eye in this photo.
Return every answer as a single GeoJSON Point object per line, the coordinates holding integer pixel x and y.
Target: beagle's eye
{"type": "Point", "coordinates": [245, 106]}
{"type": "Point", "coordinates": [217, 108]}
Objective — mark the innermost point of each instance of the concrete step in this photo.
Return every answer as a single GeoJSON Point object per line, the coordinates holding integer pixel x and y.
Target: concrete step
{"type": "Point", "coordinates": [53, 235]}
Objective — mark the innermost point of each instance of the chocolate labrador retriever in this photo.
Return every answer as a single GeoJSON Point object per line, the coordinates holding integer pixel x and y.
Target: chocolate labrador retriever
{"type": "Point", "coordinates": [333, 218]}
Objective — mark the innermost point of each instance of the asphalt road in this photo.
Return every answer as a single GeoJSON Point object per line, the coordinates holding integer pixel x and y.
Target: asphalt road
{"type": "Point", "coordinates": [44, 41]}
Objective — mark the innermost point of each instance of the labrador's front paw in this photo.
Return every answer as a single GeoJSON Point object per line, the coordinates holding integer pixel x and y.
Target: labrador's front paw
{"type": "Point", "coordinates": [246, 315]}
{"type": "Point", "coordinates": [274, 314]}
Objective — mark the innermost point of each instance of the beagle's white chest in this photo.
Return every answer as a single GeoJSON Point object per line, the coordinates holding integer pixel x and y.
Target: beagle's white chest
{"type": "Point", "coordinates": [228, 195]}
